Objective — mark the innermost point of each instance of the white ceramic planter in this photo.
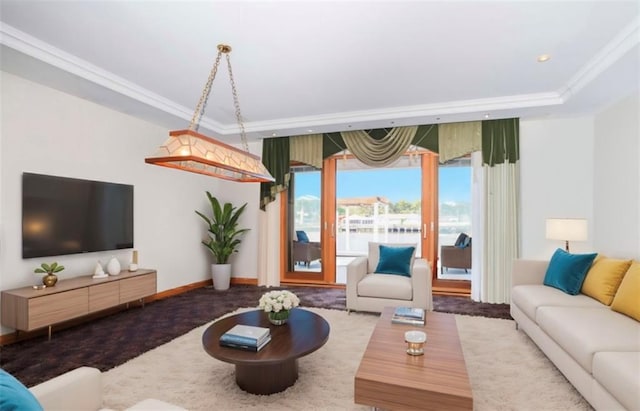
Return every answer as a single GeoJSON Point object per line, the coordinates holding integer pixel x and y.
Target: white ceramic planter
{"type": "Point", "coordinates": [221, 275]}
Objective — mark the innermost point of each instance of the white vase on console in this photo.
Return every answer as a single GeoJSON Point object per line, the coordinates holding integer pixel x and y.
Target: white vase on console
{"type": "Point", "coordinates": [113, 266]}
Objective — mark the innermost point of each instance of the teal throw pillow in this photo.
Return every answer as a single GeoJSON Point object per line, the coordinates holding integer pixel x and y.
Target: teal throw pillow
{"type": "Point", "coordinates": [15, 396]}
{"type": "Point", "coordinates": [567, 271]}
{"type": "Point", "coordinates": [395, 260]}
{"type": "Point", "coordinates": [302, 236]}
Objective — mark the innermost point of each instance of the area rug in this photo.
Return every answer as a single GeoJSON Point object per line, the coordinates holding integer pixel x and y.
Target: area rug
{"type": "Point", "coordinates": [506, 370]}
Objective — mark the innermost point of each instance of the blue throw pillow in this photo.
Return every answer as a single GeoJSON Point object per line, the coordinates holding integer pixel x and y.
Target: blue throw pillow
{"type": "Point", "coordinates": [15, 396]}
{"type": "Point", "coordinates": [395, 260]}
{"type": "Point", "coordinates": [302, 236]}
{"type": "Point", "coordinates": [567, 271]}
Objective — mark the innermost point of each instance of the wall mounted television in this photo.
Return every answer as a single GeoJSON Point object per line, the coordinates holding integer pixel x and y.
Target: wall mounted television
{"type": "Point", "coordinates": [63, 215]}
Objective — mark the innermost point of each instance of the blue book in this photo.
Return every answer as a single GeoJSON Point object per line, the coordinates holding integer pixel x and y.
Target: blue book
{"type": "Point", "coordinates": [246, 335]}
{"type": "Point", "coordinates": [246, 347]}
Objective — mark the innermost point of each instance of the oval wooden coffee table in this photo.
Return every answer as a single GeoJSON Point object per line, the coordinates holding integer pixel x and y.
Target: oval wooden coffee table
{"type": "Point", "coordinates": [274, 368]}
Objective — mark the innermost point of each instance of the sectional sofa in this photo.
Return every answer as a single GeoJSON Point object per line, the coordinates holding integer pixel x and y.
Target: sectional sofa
{"type": "Point", "coordinates": [586, 336]}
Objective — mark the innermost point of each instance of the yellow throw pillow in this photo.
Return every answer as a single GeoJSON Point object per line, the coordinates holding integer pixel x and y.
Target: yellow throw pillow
{"type": "Point", "coordinates": [603, 278]}
{"type": "Point", "coordinates": [627, 299]}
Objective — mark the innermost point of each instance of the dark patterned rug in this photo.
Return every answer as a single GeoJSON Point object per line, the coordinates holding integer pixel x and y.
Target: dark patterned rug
{"type": "Point", "coordinates": [112, 340]}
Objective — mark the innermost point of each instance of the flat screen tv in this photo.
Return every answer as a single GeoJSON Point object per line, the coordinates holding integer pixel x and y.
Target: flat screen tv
{"type": "Point", "coordinates": [69, 216]}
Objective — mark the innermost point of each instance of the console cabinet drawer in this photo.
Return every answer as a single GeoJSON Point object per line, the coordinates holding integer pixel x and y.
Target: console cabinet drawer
{"type": "Point", "coordinates": [104, 296]}
{"type": "Point", "coordinates": [135, 288]}
{"type": "Point", "coordinates": [54, 308]}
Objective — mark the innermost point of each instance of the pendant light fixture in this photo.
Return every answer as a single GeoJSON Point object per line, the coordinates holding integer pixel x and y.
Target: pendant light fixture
{"type": "Point", "coordinates": [191, 151]}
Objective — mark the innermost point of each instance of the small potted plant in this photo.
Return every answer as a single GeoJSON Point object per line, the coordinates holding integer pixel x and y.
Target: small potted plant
{"type": "Point", "coordinates": [50, 269]}
{"type": "Point", "coordinates": [223, 238]}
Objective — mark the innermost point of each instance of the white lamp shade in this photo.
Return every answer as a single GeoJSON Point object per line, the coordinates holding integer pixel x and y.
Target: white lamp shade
{"type": "Point", "coordinates": [567, 229]}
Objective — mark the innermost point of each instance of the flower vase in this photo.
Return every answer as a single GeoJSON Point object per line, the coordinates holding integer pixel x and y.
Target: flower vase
{"type": "Point", "coordinates": [278, 318]}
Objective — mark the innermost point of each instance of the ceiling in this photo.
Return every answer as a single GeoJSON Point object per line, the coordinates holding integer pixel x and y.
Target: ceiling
{"type": "Point", "coordinates": [320, 66]}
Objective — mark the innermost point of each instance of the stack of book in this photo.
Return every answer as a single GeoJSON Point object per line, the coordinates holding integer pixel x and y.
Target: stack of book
{"type": "Point", "coordinates": [246, 337]}
{"type": "Point", "coordinates": [408, 315]}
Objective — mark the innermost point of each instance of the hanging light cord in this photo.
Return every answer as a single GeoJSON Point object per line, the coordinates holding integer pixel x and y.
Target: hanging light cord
{"type": "Point", "coordinates": [204, 98]}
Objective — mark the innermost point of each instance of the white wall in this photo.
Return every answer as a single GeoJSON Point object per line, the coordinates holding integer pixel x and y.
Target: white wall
{"type": "Point", "coordinates": [556, 160]}
{"type": "Point", "coordinates": [617, 179]}
{"type": "Point", "coordinates": [49, 132]}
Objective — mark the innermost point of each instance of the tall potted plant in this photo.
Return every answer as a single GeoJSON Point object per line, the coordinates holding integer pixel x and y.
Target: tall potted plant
{"type": "Point", "coordinates": [224, 238]}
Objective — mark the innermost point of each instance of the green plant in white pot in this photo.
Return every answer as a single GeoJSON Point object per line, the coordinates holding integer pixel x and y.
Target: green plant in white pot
{"type": "Point", "coordinates": [224, 238]}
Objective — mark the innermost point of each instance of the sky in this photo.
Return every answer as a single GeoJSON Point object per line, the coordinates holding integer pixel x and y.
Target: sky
{"type": "Point", "coordinates": [394, 184]}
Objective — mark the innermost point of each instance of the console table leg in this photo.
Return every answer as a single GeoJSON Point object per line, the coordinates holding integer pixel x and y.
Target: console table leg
{"type": "Point", "coordinates": [49, 337]}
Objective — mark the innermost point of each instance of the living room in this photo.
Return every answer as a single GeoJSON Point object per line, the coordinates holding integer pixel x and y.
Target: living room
{"type": "Point", "coordinates": [582, 165]}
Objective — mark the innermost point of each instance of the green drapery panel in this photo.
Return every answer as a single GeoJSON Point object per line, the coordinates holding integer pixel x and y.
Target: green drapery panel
{"type": "Point", "coordinates": [275, 157]}
{"type": "Point", "coordinates": [426, 137]}
{"type": "Point", "coordinates": [500, 141]}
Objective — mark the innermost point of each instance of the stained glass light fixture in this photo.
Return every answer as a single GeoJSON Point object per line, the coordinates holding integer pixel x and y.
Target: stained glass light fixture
{"type": "Point", "coordinates": [191, 151]}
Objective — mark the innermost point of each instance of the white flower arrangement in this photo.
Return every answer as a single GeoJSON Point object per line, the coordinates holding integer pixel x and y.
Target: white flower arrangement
{"type": "Point", "coordinates": [276, 301]}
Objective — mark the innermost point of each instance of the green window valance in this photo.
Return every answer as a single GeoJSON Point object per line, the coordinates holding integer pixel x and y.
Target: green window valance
{"type": "Point", "coordinates": [500, 143]}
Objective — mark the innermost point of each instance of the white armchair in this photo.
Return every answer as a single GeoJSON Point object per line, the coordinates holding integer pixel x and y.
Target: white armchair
{"type": "Point", "coordinates": [371, 292]}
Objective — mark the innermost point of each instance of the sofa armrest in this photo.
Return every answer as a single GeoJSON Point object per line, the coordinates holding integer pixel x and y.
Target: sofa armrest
{"type": "Point", "coordinates": [421, 284]}
{"type": "Point", "coordinates": [528, 272]}
{"type": "Point", "coordinates": [356, 270]}
{"type": "Point", "coordinates": [79, 389]}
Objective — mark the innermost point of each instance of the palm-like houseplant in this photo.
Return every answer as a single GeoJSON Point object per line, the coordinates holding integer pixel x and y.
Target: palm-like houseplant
{"type": "Point", "coordinates": [224, 238]}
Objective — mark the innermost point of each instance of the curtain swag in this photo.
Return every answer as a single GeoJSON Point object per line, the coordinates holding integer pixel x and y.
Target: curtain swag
{"type": "Point", "coordinates": [379, 152]}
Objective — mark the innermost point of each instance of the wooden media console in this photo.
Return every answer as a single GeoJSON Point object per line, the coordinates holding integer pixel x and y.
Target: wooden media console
{"type": "Point", "coordinates": [27, 309]}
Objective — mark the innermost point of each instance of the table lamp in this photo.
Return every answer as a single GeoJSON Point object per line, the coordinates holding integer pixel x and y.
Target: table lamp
{"type": "Point", "coordinates": [567, 229]}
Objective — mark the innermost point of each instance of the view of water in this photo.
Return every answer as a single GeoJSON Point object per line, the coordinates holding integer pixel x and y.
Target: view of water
{"type": "Point", "coordinates": [348, 244]}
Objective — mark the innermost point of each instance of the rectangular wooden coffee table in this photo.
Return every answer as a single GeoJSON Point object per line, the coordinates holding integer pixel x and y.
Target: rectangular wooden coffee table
{"type": "Point", "coordinates": [389, 378]}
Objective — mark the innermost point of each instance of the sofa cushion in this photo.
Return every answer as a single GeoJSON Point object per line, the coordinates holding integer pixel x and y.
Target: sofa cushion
{"type": "Point", "coordinates": [582, 332]}
{"type": "Point", "coordinates": [626, 300]}
{"type": "Point", "coordinates": [395, 260]}
{"type": "Point", "coordinates": [531, 296]}
{"type": "Point", "coordinates": [390, 286]}
{"type": "Point", "coordinates": [604, 277]}
{"type": "Point", "coordinates": [567, 271]}
{"type": "Point", "coordinates": [618, 373]}
{"type": "Point", "coordinates": [14, 395]}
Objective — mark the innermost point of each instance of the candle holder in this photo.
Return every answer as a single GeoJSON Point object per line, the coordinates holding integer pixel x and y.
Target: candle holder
{"type": "Point", "coordinates": [415, 342]}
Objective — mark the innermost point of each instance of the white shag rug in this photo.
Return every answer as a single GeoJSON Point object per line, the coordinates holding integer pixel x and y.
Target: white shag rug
{"type": "Point", "coordinates": [507, 372]}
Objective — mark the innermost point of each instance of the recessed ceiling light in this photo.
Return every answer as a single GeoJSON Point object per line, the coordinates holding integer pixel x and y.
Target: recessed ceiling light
{"type": "Point", "coordinates": [274, 134]}
{"type": "Point", "coordinates": [486, 115]}
{"type": "Point", "coordinates": [310, 131]}
{"type": "Point", "coordinates": [543, 57]}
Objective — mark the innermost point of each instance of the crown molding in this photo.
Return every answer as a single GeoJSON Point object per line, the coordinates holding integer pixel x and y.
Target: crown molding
{"type": "Point", "coordinates": [35, 48]}
{"type": "Point", "coordinates": [407, 112]}
{"type": "Point", "coordinates": [627, 39]}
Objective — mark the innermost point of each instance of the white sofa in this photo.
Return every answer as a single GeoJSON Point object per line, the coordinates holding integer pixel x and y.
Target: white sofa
{"type": "Point", "coordinates": [371, 292]}
{"type": "Point", "coordinates": [596, 348]}
{"type": "Point", "coordinates": [81, 390]}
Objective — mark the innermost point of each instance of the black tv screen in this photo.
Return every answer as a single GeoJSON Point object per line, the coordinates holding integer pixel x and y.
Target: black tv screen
{"type": "Point", "coordinates": [68, 216]}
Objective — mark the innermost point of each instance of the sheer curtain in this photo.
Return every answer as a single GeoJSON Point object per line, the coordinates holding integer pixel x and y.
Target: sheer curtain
{"type": "Point", "coordinates": [497, 188]}
{"type": "Point", "coordinates": [269, 244]}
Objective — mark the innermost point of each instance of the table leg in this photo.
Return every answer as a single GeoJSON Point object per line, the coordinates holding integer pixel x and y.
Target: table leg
{"type": "Point", "coordinates": [267, 379]}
